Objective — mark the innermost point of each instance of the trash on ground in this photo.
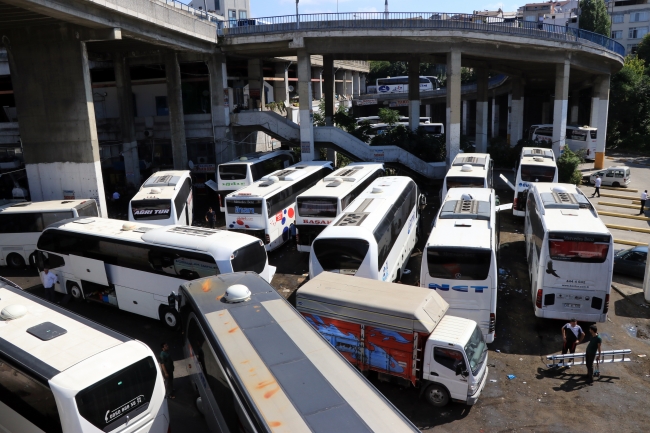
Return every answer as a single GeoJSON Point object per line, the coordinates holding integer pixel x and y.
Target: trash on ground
{"type": "Point", "coordinates": [406, 271]}
{"type": "Point", "coordinates": [511, 376]}
{"type": "Point", "coordinates": [498, 351]}
{"type": "Point", "coordinates": [641, 356]}
{"type": "Point", "coordinates": [493, 380]}
{"type": "Point", "coordinates": [521, 359]}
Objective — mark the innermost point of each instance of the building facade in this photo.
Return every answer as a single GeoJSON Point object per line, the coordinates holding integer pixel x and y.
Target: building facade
{"type": "Point", "coordinates": [630, 22]}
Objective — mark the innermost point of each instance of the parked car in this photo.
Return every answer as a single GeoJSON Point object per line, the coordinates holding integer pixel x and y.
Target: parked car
{"type": "Point", "coordinates": [612, 176]}
{"type": "Point", "coordinates": [631, 262]}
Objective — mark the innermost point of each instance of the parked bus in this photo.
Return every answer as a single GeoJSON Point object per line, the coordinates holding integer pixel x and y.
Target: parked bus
{"type": "Point", "coordinates": [320, 204]}
{"type": "Point", "coordinates": [247, 169]}
{"type": "Point", "coordinates": [469, 170]}
{"type": "Point", "coordinates": [401, 85]}
{"type": "Point", "coordinates": [436, 129]}
{"type": "Point", "coordinates": [460, 258]}
{"type": "Point", "coordinates": [62, 373]}
{"type": "Point", "coordinates": [375, 235]}
{"type": "Point", "coordinates": [578, 138]}
{"type": "Point", "coordinates": [372, 120]}
{"type": "Point", "coordinates": [135, 266]}
{"type": "Point", "coordinates": [258, 366]}
{"type": "Point", "coordinates": [266, 209]}
{"type": "Point", "coordinates": [22, 223]}
{"type": "Point", "coordinates": [570, 254]}
{"type": "Point", "coordinates": [535, 165]}
{"type": "Point", "coordinates": [164, 199]}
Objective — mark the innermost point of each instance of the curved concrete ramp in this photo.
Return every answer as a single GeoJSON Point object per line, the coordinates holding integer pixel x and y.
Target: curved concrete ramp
{"type": "Point", "coordinates": [270, 122]}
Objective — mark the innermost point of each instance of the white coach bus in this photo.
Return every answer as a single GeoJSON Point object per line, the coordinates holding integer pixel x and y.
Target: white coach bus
{"type": "Point", "coordinates": [401, 85]}
{"type": "Point", "coordinates": [258, 366]}
{"type": "Point", "coordinates": [570, 254]}
{"type": "Point", "coordinates": [320, 204]}
{"type": "Point", "coordinates": [578, 138]}
{"type": "Point", "coordinates": [469, 170]}
{"type": "Point", "coordinates": [460, 257]}
{"type": "Point", "coordinates": [375, 235]}
{"type": "Point", "coordinates": [135, 266]}
{"type": "Point", "coordinates": [22, 223]}
{"type": "Point", "coordinates": [164, 199]}
{"type": "Point", "coordinates": [247, 169]}
{"type": "Point", "coordinates": [535, 165]}
{"type": "Point", "coordinates": [266, 209]}
{"type": "Point", "coordinates": [62, 373]}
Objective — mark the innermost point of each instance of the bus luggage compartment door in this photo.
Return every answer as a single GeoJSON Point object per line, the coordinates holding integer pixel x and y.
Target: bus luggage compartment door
{"type": "Point", "coordinates": [87, 269]}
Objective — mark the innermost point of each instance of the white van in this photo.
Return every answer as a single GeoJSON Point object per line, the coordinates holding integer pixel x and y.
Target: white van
{"type": "Point", "coordinates": [612, 176]}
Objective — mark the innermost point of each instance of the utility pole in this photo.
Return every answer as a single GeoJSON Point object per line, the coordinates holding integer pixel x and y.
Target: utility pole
{"type": "Point", "coordinates": [297, 18]}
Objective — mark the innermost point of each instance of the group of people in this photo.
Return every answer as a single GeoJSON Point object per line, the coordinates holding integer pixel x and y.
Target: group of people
{"type": "Point", "coordinates": [572, 335]}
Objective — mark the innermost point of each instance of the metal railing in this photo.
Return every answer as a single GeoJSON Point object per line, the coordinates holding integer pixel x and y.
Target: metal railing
{"type": "Point", "coordinates": [414, 20]}
{"type": "Point", "coordinates": [200, 14]}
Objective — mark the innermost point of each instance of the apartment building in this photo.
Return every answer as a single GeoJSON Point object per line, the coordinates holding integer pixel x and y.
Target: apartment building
{"type": "Point", "coordinates": [229, 9]}
{"type": "Point", "coordinates": [630, 21]}
{"type": "Point", "coordinates": [559, 13]}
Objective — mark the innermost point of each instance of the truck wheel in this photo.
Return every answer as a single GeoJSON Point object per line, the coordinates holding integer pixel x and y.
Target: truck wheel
{"type": "Point", "coordinates": [437, 395]}
{"type": "Point", "coordinates": [15, 260]}
{"type": "Point", "coordinates": [169, 317]}
{"type": "Point", "coordinates": [616, 184]}
{"type": "Point", "coordinates": [75, 291]}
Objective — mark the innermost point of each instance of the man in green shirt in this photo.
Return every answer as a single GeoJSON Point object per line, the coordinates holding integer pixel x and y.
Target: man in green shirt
{"type": "Point", "coordinates": [167, 367]}
{"type": "Point", "coordinates": [593, 352]}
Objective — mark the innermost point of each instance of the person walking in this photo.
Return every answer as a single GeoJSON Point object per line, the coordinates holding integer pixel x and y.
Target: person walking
{"type": "Point", "coordinates": [49, 280]}
{"type": "Point", "coordinates": [592, 352]}
{"type": "Point", "coordinates": [167, 367]}
{"type": "Point", "coordinates": [597, 184]}
{"type": "Point", "coordinates": [572, 335]}
{"type": "Point", "coordinates": [644, 197]}
{"type": "Point", "coordinates": [211, 217]}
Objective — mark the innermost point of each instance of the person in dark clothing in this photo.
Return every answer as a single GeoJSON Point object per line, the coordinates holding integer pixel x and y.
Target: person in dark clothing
{"type": "Point", "coordinates": [167, 367]}
{"type": "Point", "coordinates": [572, 335]}
{"type": "Point", "coordinates": [592, 352]}
{"type": "Point", "coordinates": [211, 217]}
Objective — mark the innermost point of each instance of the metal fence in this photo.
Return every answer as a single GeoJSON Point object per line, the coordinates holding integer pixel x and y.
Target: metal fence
{"type": "Point", "coordinates": [200, 14]}
{"type": "Point", "coordinates": [414, 20]}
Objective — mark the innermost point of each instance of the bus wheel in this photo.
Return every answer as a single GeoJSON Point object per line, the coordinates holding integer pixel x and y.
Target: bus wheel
{"type": "Point", "coordinates": [15, 260]}
{"type": "Point", "coordinates": [75, 291]}
{"type": "Point", "coordinates": [437, 395]}
{"type": "Point", "coordinates": [169, 317]}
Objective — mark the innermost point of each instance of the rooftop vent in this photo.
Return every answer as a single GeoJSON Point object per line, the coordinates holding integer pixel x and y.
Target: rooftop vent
{"type": "Point", "coordinates": [155, 191]}
{"type": "Point", "coordinates": [560, 198]}
{"type": "Point", "coordinates": [243, 158]}
{"type": "Point", "coordinates": [193, 231]}
{"type": "Point", "coordinates": [376, 190]}
{"type": "Point", "coordinates": [333, 184]}
{"type": "Point", "coordinates": [163, 179]}
{"type": "Point", "coordinates": [46, 331]}
{"type": "Point", "coordinates": [237, 293]}
{"type": "Point", "coordinates": [14, 311]}
{"type": "Point", "coordinates": [142, 229]}
{"type": "Point", "coordinates": [471, 160]}
{"type": "Point", "coordinates": [538, 159]}
{"type": "Point", "coordinates": [349, 172]}
{"type": "Point", "coordinates": [465, 209]}
{"type": "Point", "coordinates": [466, 167]}
{"type": "Point", "coordinates": [352, 219]}
{"type": "Point", "coordinates": [128, 227]}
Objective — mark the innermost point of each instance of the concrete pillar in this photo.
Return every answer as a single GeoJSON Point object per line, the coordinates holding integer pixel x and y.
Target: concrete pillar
{"type": "Point", "coordinates": [414, 92]}
{"type": "Point", "coordinates": [356, 84]}
{"type": "Point", "coordinates": [427, 110]}
{"type": "Point", "coordinates": [255, 85]}
{"type": "Point", "coordinates": [53, 94]}
{"type": "Point", "coordinates": [349, 85]}
{"type": "Point", "coordinates": [224, 149]}
{"type": "Point", "coordinates": [452, 128]}
{"type": "Point", "coordinates": [495, 117]}
{"type": "Point", "coordinates": [175, 104]}
{"type": "Point", "coordinates": [560, 106]}
{"type": "Point", "coordinates": [481, 139]}
{"type": "Point", "coordinates": [281, 84]}
{"type": "Point", "coordinates": [363, 85]}
{"type": "Point", "coordinates": [465, 116]}
{"type": "Point", "coordinates": [317, 86]}
{"type": "Point", "coordinates": [328, 88]}
{"type": "Point", "coordinates": [127, 124]}
{"type": "Point", "coordinates": [305, 108]}
{"type": "Point", "coordinates": [575, 102]}
{"type": "Point", "coordinates": [516, 114]}
{"type": "Point", "coordinates": [339, 76]}
{"type": "Point", "coordinates": [600, 106]}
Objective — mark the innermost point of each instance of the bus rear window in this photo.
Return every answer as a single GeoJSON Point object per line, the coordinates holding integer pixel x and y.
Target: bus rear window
{"type": "Point", "coordinates": [151, 209]}
{"type": "Point", "coordinates": [340, 255]}
{"type": "Point", "coordinates": [87, 209]}
{"type": "Point", "coordinates": [458, 263]}
{"type": "Point", "coordinates": [233, 171]}
{"type": "Point", "coordinates": [466, 182]}
{"type": "Point", "coordinates": [243, 207]}
{"type": "Point", "coordinates": [537, 173]}
{"type": "Point", "coordinates": [252, 258]}
{"type": "Point", "coordinates": [128, 391]}
{"type": "Point", "coordinates": [578, 247]}
{"type": "Point", "coordinates": [317, 207]}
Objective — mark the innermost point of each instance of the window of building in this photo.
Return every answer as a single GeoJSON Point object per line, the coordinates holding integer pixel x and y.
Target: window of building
{"type": "Point", "coordinates": [637, 32]}
{"type": "Point", "coordinates": [617, 34]}
{"type": "Point", "coordinates": [531, 18]}
{"type": "Point", "coordinates": [243, 15]}
{"type": "Point", "coordinates": [636, 17]}
{"type": "Point", "coordinates": [232, 14]}
{"type": "Point", "coordinates": [617, 19]}
{"type": "Point", "coordinates": [631, 48]}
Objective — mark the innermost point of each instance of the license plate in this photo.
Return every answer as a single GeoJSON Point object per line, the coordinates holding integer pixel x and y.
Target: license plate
{"type": "Point", "coordinates": [571, 305]}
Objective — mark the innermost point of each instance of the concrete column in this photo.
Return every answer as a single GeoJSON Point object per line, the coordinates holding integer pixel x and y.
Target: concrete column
{"type": "Point", "coordinates": [356, 84]}
{"type": "Point", "coordinates": [465, 116]}
{"type": "Point", "coordinates": [53, 94]}
{"type": "Point", "coordinates": [575, 102]}
{"type": "Point", "coordinates": [508, 128]}
{"type": "Point", "coordinates": [363, 85]}
{"type": "Point", "coordinates": [255, 85]}
{"type": "Point", "coordinates": [545, 112]}
{"type": "Point", "coordinates": [305, 108]}
{"type": "Point", "coordinates": [481, 139]}
{"type": "Point", "coordinates": [560, 106]}
{"type": "Point", "coordinates": [175, 104]}
{"type": "Point", "coordinates": [339, 76]}
{"type": "Point", "coordinates": [414, 92]}
{"type": "Point", "coordinates": [495, 117]}
{"type": "Point", "coordinates": [517, 111]}
{"type": "Point", "coordinates": [125, 102]}
{"type": "Point", "coordinates": [317, 86]}
{"type": "Point", "coordinates": [349, 85]}
{"type": "Point", "coordinates": [224, 149]}
{"type": "Point", "coordinates": [281, 84]}
{"type": "Point", "coordinates": [452, 128]}
{"type": "Point", "coordinates": [599, 117]}
{"type": "Point", "coordinates": [328, 88]}
{"type": "Point", "coordinates": [427, 110]}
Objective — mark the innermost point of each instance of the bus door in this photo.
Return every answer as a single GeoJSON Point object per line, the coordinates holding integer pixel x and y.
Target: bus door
{"type": "Point", "coordinates": [91, 273]}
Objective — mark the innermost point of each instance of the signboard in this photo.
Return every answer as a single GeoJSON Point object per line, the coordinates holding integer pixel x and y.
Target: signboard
{"type": "Point", "coordinates": [204, 168]}
{"type": "Point", "coordinates": [360, 102]}
{"type": "Point", "coordinates": [254, 93]}
{"type": "Point", "coordinates": [68, 194]}
{"type": "Point", "coordinates": [399, 103]}
{"type": "Point", "coordinates": [378, 156]}
{"type": "Point", "coordinates": [305, 147]}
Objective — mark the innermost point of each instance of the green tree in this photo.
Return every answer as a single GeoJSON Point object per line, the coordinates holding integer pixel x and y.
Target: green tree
{"type": "Point", "coordinates": [643, 50]}
{"type": "Point", "coordinates": [567, 167]}
{"type": "Point", "coordinates": [388, 116]}
{"type": "Point", "coordinates": [594, 17]}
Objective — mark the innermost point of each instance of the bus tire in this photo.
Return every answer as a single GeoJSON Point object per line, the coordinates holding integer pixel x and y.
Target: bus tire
{"type": "Point", "coordinates": [15, 260]}
{"type": "Point", "coordinates": [437, 395]}
{"type": "Point", "coordinates": [75, 291]}
{"type": "Point", "coordinates": [169, 317]}
{"type": "Point", "coordinates": [616, 184]}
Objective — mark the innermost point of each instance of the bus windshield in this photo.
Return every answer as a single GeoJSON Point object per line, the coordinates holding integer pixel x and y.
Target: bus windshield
{"type": "Point", "coordinates": [578, 247]}
{"type": "Point", "coordinates": [151, 209]}
{"type": "Point", "coordinates": [537, 173]}
{"type": "Point", "coordinates": [432, 129]}
{"type": "Point", "coordinates": [317, 207]}
{"type": "Point", "coordinates": [454, 263]}
{"type": "Point", "coordinates": [466, 182]}
{"type": "Point", "coordinates": [252, 258]}
{"type": "Point", "coordinates": [476, 351]}
{"type": "Point", "coordinates": [233, 171]}
{"type": "Point", "coordinates": [341, 255]}
{"type": "Point", "coordinates": [243, 207]}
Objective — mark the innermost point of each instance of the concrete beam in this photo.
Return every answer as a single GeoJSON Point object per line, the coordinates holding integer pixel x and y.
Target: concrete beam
{"type": "Point", "coordinates": [175, 106]}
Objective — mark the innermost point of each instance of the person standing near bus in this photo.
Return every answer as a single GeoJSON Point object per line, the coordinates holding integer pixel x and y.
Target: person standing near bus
{"type": "Point", "coordinates": [571, 335]}
{"type": "Point", "coordinates": [211, 217]}
{"type": "Point", "coordinates": [167, 367]}
{"type": "Point", "coordinates": [592, 348]}
{"type": "Point", "coordinates": [597, 186]}
{"type": "Point", "coordinates": [644, 197]}
{"type": "Point", "coordinates": [49, 280]}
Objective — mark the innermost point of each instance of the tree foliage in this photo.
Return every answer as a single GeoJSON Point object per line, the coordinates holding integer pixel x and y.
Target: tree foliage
{"type": "Point", "coordinates": [567, 167]}
{"type": "Point", "coordinates": [594, 17]}
{"type": "Point", "coordinates": [643, 50]}
{"type": "Point", "coordinates": [388, 116]}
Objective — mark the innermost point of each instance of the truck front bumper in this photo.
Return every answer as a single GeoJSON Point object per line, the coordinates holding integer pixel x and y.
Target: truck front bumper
{"type": "Point", "coordinates": [471, 399]}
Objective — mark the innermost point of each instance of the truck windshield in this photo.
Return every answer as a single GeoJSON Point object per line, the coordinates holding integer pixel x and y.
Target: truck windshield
{"type": "Point", "coordinates": [476, 351]}
{"type": "Point", "coordinates": [537, 173]}
{"type": "Point", "coordinates": [341, 255]}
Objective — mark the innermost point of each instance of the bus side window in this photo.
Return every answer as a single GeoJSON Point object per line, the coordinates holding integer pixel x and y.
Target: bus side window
{"type": "Point", "coordinates": [48, 260]}
{"type": "Point", "coordinates": [55, 217]}
{"type": "Point", "coordinates": [21, 223]}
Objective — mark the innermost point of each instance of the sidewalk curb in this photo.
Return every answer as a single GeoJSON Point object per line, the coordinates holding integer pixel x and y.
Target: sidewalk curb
{"type": "Point", "coordinates": [626, 296]}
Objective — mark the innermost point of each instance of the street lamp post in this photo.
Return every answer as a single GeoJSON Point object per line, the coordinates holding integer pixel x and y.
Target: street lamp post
{"type": "Point", "coordinates": [297, 18]}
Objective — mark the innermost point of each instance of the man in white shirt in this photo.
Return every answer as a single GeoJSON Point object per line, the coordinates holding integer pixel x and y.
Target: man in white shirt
{"type": "Point", "coordinates": [571, 335]}
{"type": "Point", "coordinates": [597, 186]}
{"type": "Point", "coordinates": [644, 197]}
{"type": "Point", "coordinates": [49, 280]}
